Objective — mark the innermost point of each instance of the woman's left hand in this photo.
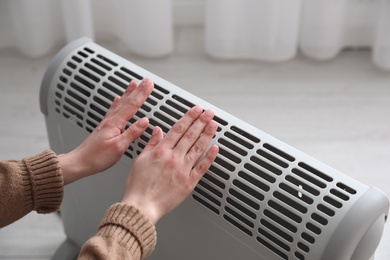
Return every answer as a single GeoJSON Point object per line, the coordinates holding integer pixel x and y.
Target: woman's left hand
{"type": "Point", "coordinates": [107, 143]}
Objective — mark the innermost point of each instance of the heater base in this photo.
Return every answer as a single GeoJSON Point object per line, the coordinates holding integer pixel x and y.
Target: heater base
{"type": "Point", "coordinates": [68, 250]}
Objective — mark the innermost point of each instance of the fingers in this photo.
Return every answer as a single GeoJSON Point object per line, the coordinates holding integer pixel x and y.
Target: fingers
{"type": "Point", "coordinates": [132, 86]}
{"type": "Point", "coordinates": [204, 164]}
{"type": "Point", "coordinates": [200, 146]}
{"type": "Point", "coordinates": [180, 128]}
{"type": "Point", "coordinates": [155, 139]}
{"type": "Point", "coordinates": [113, 106]}
{"type": "Point", "coordinates": [133, 132]}
{"type": "Point", "coordinates": [125, 107]}
{"type": "Point", "coordinates": [134, 97]}
{"type": "Point", "coordinates": [192, 134]}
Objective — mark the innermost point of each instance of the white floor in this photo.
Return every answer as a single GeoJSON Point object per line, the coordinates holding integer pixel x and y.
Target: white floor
{"type": "Point", "coordinates": [336, 111]}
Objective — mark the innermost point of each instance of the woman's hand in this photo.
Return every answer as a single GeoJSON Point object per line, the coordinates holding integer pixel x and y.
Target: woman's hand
{"type": "Point", "coordinates": [169, 167]}
{"type": "Point", "coordinates": [107, 143]}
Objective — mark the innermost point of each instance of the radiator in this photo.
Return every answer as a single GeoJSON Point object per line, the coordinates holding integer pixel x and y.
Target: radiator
{"type": "Point", "coordinates": [260, 199]}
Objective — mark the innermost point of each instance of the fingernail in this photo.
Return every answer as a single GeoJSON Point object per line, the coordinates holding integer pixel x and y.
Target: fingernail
{"type": "Point", "coordinates": [213, 124]}
{"type": "Point", "coordinates": [198, 109]}
{"type": "Point", "coordinates": [143, 122]}
{"type": "Point", "coordinates": [147, 80]}
{"type": "Point", "coordinates": [155, 130]}
{"type": "Point", "coordinates": [209, 113]}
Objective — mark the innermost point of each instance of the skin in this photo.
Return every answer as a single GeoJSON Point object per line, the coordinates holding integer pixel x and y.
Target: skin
{"type": "Point", "coordinates": [108, 141]}
{"type": "Point", "coordinates": [168, 168]}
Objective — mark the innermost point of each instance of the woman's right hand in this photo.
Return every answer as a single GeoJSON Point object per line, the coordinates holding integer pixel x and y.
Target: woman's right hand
{"type": "Point", "coordinates": [169, 167]}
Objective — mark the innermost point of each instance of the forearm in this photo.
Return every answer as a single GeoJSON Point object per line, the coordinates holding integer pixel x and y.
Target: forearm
{"type": "Point", "coordinates": [34, 183]}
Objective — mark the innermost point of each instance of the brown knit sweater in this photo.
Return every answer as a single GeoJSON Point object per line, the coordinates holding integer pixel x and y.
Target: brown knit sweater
{"type": "Point", "coordinates": [36, 183]}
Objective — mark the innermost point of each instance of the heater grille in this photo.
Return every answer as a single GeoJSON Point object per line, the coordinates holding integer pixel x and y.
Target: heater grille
{"type": "Point", "coordinates": [255, 186]}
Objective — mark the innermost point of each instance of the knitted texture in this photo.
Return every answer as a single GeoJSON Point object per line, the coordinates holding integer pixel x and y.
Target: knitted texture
{"type": "Point", "coordinates": [130, 228]}
{"type": "Point", "coordinates": [34, 183]}
{"type": "Point", "coordinates": [46, 181]}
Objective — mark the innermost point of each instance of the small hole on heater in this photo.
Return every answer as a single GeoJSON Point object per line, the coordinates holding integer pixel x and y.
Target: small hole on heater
{"type": "Point", "coordinates": [300, 193]}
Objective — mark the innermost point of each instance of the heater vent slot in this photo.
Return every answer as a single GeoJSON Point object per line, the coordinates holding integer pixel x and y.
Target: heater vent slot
{"type": "Point", "coordinates": [107, 60]}
{"type": "Point", "coordinates": [326, 210]}
{"type": "Point", "coordinates": [95, 69]}
{"type": "Point", "coordinates": [251, 203]}
{"type": "Point", "coordinates": [245, 134]}
{"type": "Point", "coordinates": [232, 147]}
{"type": "Point", "coordinates": [183, 101]}
{"type": "Point", "coordinates": [213, 169]}
{"type": "Point", "coordinates": [266, 165]}
{"type": "Point", "coordinates": [89, 50]}
{"type": "Point", "coordinates": [272, 248]}
{"type": "Point", "coordinates": [215, 181]}
{"type": "Point", "coordinates": [67, 72]}
{"type": "Point", "coordinates": [71, 65]}
{"type": "Point", "coordinates": [259, 184]}
{"type": "Point", "coordinates": [315, 172]}
{"type": "Point", "coordinates": [101, 64]}
{"type": "Point", "coordinates": [131, 73]}
{"type": "Point", "coordinates": [278, 152]}
{"type": "Point", "coordinates": [289, 202]}
{"type": "Point", "coordinates": [208, 196]}
{"type": "Point", "coordinates": [237, 225]}
{"type": "Point", "coordinates": [276, 241]}
{"type": "Point", "coordinates": [248, 190]}
{"type": "Point", "coordinates": [278, 231]}
{"type": "Point", "coordinates": [303, 185]}
{"type": "Point", "coordinates": [239, 217]}
{"type": "Point", "coordinates": [299, 256]}
{"type": "Point", "coordinates": [80, 90]}
{"type": "Point", "coordinates": [319, 219]}
{"type": "Point", "coordinates": [238, 140]}
{"type": "Point", "coordinates": [242, 209]}
{"type": "Point", "coordinates": [344, 187]}
{"type": "Point", "coordinates": [280, 221]}
{"type": "Point", "coordinates": [313, 228]}
{"type": "Point", "coordinates": [296, 193]}
{"type": "Point", "coordinates": [272, 158]}
{"type": "Point", "coordinates": [260, 173]}
{"type": "Point", "coordinates": [284, 211]}
{"type": "Point", "coordinates": [206, 204]}
{"type": "Point", "coordinates": [268, 194]}
{"type": "Point", "coordinates": [308, 238]}
{"type": "Point", "coordinates": [309, 178]}
{"type": "Point", "coordinates": [85, 82]}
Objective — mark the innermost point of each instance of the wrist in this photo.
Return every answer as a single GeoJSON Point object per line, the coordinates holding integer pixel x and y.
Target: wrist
{"type": "Point", "coordinates": [146, 209]}
{"type": "Point", "coordinates": [72, 169]}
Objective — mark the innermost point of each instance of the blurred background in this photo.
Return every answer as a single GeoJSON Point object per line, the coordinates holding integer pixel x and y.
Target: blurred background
{"type": "Point", "coordinates": [313, 73]}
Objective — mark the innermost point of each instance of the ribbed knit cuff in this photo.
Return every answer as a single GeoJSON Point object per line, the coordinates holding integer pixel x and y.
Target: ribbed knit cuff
{"type": "Point", "coordinates": [43, 182]}
{"type": "Point", "coordinates": [130, 228]}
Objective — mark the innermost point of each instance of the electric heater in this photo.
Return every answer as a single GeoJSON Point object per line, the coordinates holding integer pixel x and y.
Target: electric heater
{"type": "Point", "coordinates": [260, 199]}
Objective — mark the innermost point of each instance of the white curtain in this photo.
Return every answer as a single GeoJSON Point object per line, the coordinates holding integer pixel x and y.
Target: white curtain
{"type": "Point", "coordinates": [266, 30]}
{"type": "Point", "coordinates": [274, 30]}
{"type": "Point", "coordinates": [36, 26]}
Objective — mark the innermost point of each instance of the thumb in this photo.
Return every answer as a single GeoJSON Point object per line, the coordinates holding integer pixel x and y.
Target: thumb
{"type": "Point", "coordinates": [134, 131]}
{"type": "Point", "coordinates": [157, 136]}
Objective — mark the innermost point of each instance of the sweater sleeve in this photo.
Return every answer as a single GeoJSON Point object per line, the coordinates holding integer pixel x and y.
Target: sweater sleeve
{"type": "Point", "coordinates": [124, 233]}
{"type": "Point", "coordinates": [34, 183]}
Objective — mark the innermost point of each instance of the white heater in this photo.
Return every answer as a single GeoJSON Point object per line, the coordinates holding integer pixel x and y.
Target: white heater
{"type": "Point", "coordinates": [260, 199]}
